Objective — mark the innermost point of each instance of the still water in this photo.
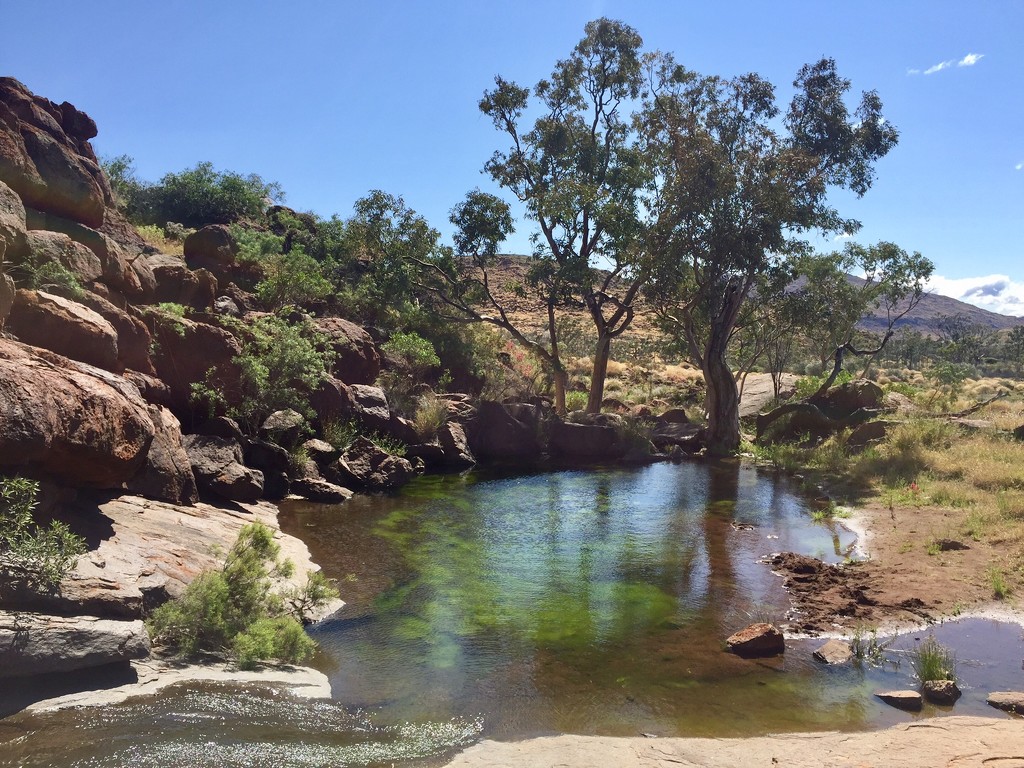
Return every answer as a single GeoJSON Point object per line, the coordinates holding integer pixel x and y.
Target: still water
{"type": "Point", "coordinates": [511, 606]}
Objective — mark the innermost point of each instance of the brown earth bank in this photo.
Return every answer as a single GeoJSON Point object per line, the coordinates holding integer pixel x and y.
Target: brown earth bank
{"type": "Point", "coordinates": [963, 742]}
{"type": "Point", "coordinates": [914, 572]}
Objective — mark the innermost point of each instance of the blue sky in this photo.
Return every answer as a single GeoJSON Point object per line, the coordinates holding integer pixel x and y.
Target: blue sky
{"type": "Point", "coordinates": [333, 99]}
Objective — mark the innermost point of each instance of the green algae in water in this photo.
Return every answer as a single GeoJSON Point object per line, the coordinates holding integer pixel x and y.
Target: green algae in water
{"type": "Point", "coordinates": [581, 601]}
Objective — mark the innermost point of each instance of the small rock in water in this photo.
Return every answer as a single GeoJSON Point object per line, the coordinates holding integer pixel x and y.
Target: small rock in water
{"type": "Point", "coordinates": [943, 692]}
{"type": "Point", "coordinates": [757, 641]}
{"type": "Point", "coordinates": [835, 651]}
{"type": "Point", "coordinates": [1008, 701]}
{"type": "Point", "coordinates": [911, 701]}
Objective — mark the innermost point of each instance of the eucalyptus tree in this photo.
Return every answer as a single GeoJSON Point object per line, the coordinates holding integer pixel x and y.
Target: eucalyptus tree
{"type": "Point", "coordinates": [577, 171]}
{"type": "Point", "coordinates": [736, 192]}
{"type": "Point", "coordinates": [881, 279]}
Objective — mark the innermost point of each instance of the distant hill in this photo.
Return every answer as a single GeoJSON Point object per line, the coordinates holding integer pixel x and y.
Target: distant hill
{"type": "Point", "coordinates": [932, 307]}
{"type": "Point", "coordinates": [511, 269]}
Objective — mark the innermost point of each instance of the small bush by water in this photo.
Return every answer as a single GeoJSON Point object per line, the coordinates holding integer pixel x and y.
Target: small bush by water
{"type": "Point", "coordinates": [933, 661]}
{"type": "Point", "coordinates": [233, 611]}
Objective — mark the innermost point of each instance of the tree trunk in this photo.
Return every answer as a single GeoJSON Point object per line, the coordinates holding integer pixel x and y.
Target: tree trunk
{"type": "Point", "coordinates": [560, 379]}
{"type": "Point", "coordinates": [723, 404]}
{"type": "Point", "coordinates": [602, 352]}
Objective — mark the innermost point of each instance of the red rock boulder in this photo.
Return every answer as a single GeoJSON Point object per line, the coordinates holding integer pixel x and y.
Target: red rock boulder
{"type": "Point", "coordinates": [77, 423]}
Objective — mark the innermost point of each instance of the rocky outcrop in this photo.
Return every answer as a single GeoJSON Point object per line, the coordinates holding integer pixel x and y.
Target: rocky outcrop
{"type": "Point", "coordinates": [75, 422]}
{"type": "Point", "coordinates": [35, 644]}
{"type": "Point", "coordinates": [213, 248]}
{"type": "Point", "coordinates": [370, 406]}
{"type": "Point", "coordinates": [133, 339]}
{"type": "Point", "coordinates": [219, 469]}
{"type": "Point", "coordinates": [320, 491]}
{"type": "Point", "coordinates": [356, 359]}
{"type": "Point", "coordinates": [364, 465]}
{"type": "Point", "coordinates": [689, 438]}
{"type": "Point", "coordinates": [178, 284]}
{"type": "Point", "coordinates": [185, 353]}
{"type": "Point", "coordinates": [122, 269]}
{"type": "Point", "coordinates": [14, 246]}
{"type": "Point", "coordinates": [167, 474]}
{"type": "Point", "coordinates": [7, 294]}
{"type": "Point", "coordinates": [757, 641]}
{"type": "Point", "coordinates": [45, 155]}
{"type": "Point", "coordinates": [149, 551]}
{"type": "Point", "coordinates": [56, 247]}
{"type": "Point", "coordinates": [852, 396]}
{"type": "Point", "coordinates": [65, 327]}
{"type": "Point", "coordinates": [496, 434]}
{"type": "Point", "coordinates": [284, 427]}
{"type": "Point", "coordinates": [273, 462]}
{"type": "Point", "coordinates": [584, 442]}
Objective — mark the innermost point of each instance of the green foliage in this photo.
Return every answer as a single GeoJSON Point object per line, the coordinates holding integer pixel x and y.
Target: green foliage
{"type": "Point", "coordinates": [280, 364]}
{"type": "Point", "coordinates": [292, 278]}
{"type": "Point", "coordinates": [575, 401]}
{"type": "Point", "coordinates": [255, 246]}
{"type": "Point", "coordinates": [948, 380]}
{"type": "Point", "coordinates": [193, 198]}
{"type": "Point", "coordinates": [173, 309]}
{"type": "Point", "coordinates": [372, 265]}
{"type": "Point", "coordinates": [808, 385]}
{"type": "Point", "coordinates": [997, 579]}
{"type": "Point", "coordinates": [339, 433]}
{"type": "Point", "coordinates": [233, 611]}
{"type": "Point", "coordinates": [32, 557]}
{"type": "Point", "coordinates": [933, 661]}
{"type": "Point", "coordinates": [281, 637]}
{"type": "Point", "coordinates": [867, 647]}
{"type": "Point", "coordinates": [431, 415]}
{"type": "Point", "coordinates": [413, 351]}
{"type": "Point", "coordinates": [203, 195]}
{"type": "Point", "coordinates": [54, 277]}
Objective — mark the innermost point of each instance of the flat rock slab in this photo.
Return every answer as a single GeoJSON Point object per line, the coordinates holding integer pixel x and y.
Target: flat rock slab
{"type": "Point", "coordinates": [910, 701]}
{"type": "Point", "coordinates": [35, 644]}
{"type": "Point", "coordinates": [966, 742]}
{"type": "Point", "coordinates": [1008, 701]}
{"type": "Point", "coordinates": [149, 551]}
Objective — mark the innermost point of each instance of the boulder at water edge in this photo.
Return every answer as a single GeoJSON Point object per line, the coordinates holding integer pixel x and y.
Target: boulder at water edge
{"type": "Point", "coordinates": [757, 641]}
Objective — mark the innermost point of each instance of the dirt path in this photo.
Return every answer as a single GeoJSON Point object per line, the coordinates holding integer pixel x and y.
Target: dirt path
{"type": "Point", "coordinates": [963, 742]}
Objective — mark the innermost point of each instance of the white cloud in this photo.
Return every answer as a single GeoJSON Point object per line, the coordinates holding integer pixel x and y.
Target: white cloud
{"type": "Point", "coordinates": [1020, 166]}
{"type": "Point", "coordinates": [996, 293]}
{"type": "Point", "coordinates": [843, 236]}
{"type": "Point", "coordinates": [967, 61]}
{"type": "Point", "coordinates": [939, 67]}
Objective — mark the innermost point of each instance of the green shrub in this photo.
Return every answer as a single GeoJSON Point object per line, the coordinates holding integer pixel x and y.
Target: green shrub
{"type": "Point", "coordinates": [933, 661]}
{"type": "Point", "coordinates": [280, 364]}
{"type": "Point", "coordinates": [202, 195]}
{"type": "Point", "coordinates": [575, 400]}
{"type": "Point", "coordinates": [234, 612]}
{"type": "Point", "coordinates": [32, 557]}
{"type": "Point", "coordinates": [292, 278]}
{"type": "Point", "coordinates": [413, 351]}
{"type": "Point", "coordinates": [431, 415]}
{"type": "Point", "coordinates": [808, 385]}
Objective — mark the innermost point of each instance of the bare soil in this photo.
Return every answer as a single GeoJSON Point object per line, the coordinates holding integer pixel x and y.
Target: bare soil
{"type": "Point", "coordinates": [916, 572]}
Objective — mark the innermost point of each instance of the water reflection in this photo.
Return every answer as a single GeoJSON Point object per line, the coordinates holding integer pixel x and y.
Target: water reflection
{"type": "Point", "coordinates": [579, 601]}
